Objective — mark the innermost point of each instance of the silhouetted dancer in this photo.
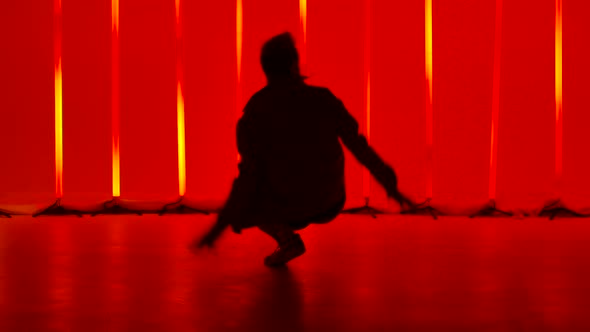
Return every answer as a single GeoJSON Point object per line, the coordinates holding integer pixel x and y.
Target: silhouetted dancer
{"type": "Point", "coordinates": [291, 173]}
{"type": "Point", "coordinates": [490, 210]}
{"type": "Point", "coordinates": [114, 206]}
{"type": "Point", "coordinates": [557, 208]}
{"type": "Point", "coordinates": [57, 209]}
{"type": "Point", "coordinates": [179, 207]}
{"type": "Point", "coordinates": [424, 208]}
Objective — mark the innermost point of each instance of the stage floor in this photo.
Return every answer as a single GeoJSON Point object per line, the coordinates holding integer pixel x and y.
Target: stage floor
{"type": "Point", "coordinates": [392, 273]}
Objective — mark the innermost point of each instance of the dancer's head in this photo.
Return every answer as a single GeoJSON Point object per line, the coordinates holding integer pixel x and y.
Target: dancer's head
{"type": "Point", "coordinates": [279, 58]}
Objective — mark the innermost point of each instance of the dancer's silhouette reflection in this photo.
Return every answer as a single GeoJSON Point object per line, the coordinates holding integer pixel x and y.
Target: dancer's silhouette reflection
{"type": "Point", "coordinates": [230, 299]}
{"type": "Point", "coordinates": [292, 163]}
{"type": "Point", "coordinates": [277, 304]}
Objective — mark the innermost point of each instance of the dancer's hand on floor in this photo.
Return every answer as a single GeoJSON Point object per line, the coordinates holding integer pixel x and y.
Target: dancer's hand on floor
{"type": "Point", "coordinates": [404, 202]}
{"type": "Point", "coordinates": [208, 240]}
{"type": "Point", "coordinates": [204, 242]}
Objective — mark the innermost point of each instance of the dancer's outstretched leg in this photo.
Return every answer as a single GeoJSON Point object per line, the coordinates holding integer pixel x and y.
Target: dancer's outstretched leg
{"type": "Point", "coordinates": [290, 245]}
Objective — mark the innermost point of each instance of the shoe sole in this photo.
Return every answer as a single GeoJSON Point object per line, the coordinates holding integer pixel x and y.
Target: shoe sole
{"type": "Point", "coordinates": [285, 261]}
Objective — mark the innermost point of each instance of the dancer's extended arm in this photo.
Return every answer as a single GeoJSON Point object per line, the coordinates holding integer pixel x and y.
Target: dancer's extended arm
{"type": "Point", "coordinates": [348, 131]}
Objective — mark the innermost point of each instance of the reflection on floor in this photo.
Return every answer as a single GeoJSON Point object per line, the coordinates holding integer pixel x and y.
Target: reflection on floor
{"type": "Point", "coordinates": [360, 274]}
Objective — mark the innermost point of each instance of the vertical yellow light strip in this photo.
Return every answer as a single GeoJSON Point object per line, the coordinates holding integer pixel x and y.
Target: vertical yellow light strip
{"type": "Point", "coordinates": [181, 142]}
{"type": "Point", "coordinates": [239, 40]}
{"type": "Point", "coordinates": [180, 106]}
{"type": "Point", "coordinates": [115, 16]}
{"type": "Point", "coordinates": [429, 107]}
{"type": "Point", "coordinates": [239, 43]}
{"type": "Point", "coordinates": [558, 91]}
{"type": "Point", "coordinates": [495, 102]}
{"type": "Point", "coordinates": [58, 99]}
{"type": "Point", "coordinates": [366, 175]}
{"type": "Point", "coordinates": [303, 22]}
{"type": "Point", "coordinates": [115, 96]}
{"type": "Point", "coordinates": [59, 130]}
{"type": "Point", "coordinates": [429, 46]}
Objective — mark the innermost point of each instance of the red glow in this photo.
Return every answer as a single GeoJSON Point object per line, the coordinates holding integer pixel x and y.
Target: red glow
{"type": "Point", "coordinates": [180, 106]}
{"type": "Point", "coordinates": [239, 43]}
{"type": "Point", "coordinates": [367, 69]}
{"type": "Point", "coordinates": [506, 72]}
{"type": "Point", "coordinates": [558, 92]}
{"type": "Point", "coordinates": [428, 57]}
{"type": "Point", "coordinates": [115, 96]}
{"type": "Point", "coordinates": [177, 7]}
{"type": "Point", "coordinates": [495, 101]}
{"type": "Point", "coordinates": [58, 87]}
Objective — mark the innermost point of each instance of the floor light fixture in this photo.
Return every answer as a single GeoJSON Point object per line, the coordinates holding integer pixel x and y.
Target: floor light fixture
{"type": "Point", "coordinates": [57, 209]}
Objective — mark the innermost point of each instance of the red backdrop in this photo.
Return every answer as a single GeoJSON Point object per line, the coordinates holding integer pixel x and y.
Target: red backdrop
{"type": "Point", "coordinates": [463, 48]}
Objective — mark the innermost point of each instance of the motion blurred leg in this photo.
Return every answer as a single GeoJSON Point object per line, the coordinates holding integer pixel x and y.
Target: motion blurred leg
{"type": "Point", "coordinates": [280, 232]}
{"type": "Point", "coordinates": [290, 244]}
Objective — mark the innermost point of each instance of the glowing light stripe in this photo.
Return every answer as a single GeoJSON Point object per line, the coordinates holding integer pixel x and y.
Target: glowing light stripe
{"type": "Point", "coordinates": [493, 153]}
{"type": "Point", "coordinates": [239, 38]}
{"type": "Point", "coordinates": [181, 142]}
{"type": "Point", "coordinates": [115, 97]}
{"type": "Point", "coordinates": [429, 108]}
{"type": "Point", "coordinates": [366, 175]}
{"type": "Point", "coordinates": [177, 6]}
{"type": "Point", "coordinates": [495, 102]}
{"type": "Point", "coordinates": [58, 131]}
{"type": "Point", "coordinates": [180, 107]}
{"type": "Point", "coordinates": [239, 43]}
{"type": "Point", "coordinates": [558, 89]}
{"type": "Point", "coordinates": [429, 46]}
{"type": "Point", "coordinates": [115, 15]}
{"type": "Point", "coordinates": [303, 22]}
{"type": "Point", "coordinates": [58, 99]}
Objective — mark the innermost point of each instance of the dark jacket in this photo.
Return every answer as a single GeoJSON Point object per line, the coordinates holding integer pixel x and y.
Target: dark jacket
{"type": "Point", "coordinates": [292, 163]}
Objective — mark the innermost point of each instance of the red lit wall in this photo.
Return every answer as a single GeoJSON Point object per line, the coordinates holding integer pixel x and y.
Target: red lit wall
{"type": "Point", "coordinates": [335, 59]}
{"type": "Point", "coordinates": [463, 47]}
{"type": "Point", "coordinates": [210, 79]}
